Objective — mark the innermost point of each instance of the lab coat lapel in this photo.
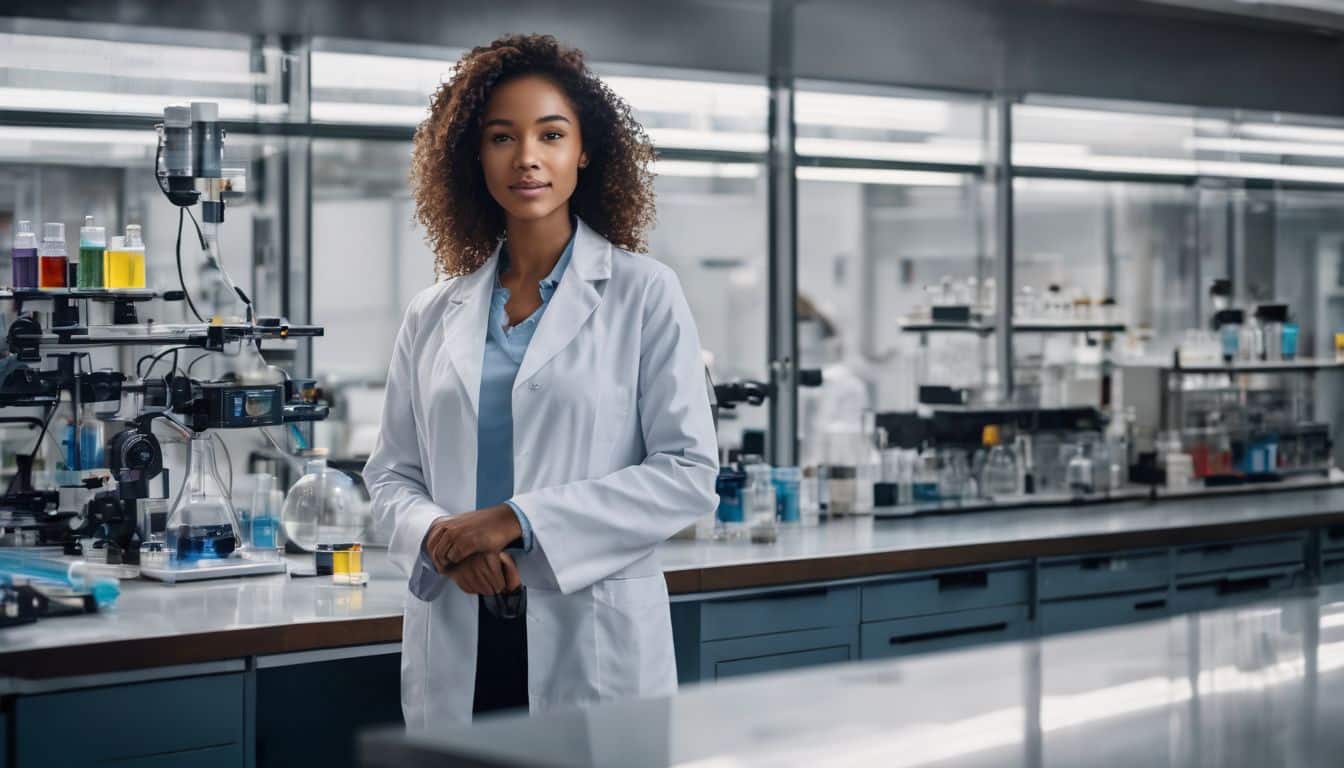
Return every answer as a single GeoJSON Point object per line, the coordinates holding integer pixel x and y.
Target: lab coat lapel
{"type": "Point", "coordinates": [573, 303]}
{"type": "Point", "coordinates": [464, 326]}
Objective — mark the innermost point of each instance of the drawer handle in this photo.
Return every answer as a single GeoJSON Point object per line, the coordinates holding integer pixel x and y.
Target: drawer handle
{"type": "Point", "coordinates": [1217, 549]}
{"type": "Point", "coordinates": [968, 580]}
{"type": "Point", "coordinates": [958, 632]}
{"type": "Point", "coordinates": [1095, 563]}
{"type": "Point", "coordinates": [810, 592]}
{"type": "Point", "coordinates": [1229, 587]}
{"type": "Point", "coordinates": [1150, 605]}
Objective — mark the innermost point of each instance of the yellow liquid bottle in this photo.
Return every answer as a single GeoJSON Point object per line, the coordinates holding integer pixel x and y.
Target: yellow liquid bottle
{"type": "Point", "coordinates": [124, 262]}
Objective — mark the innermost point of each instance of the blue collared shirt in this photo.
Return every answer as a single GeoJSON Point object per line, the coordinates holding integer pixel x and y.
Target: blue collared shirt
{"type": "Point", "coordinates": [504, 350]}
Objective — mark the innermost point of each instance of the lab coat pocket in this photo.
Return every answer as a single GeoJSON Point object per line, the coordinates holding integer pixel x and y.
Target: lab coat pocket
{"type": "Point", "coordinates": [634, 628]}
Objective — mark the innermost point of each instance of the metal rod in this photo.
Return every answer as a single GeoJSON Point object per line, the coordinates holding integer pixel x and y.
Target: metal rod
{"type": "Point", "coordinates": [1004, 235]}
{"type": "Point", "coordinates": [783, 241]}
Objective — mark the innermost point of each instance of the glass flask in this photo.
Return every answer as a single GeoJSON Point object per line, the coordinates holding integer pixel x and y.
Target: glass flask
{"type": "Point", "coordinates": [203, 524]}
{"type": "Point", "coordinates": [323, 506]}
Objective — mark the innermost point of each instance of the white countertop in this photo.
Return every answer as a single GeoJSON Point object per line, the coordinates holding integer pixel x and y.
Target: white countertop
{"type": "Point", "coordinates": [1257, 686]}
{"type": "Point", "coordinates": [148, 610]}
{"type": "Point", "coordinates": [862, 536]}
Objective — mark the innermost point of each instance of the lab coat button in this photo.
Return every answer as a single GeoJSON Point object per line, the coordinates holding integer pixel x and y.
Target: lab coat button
{"type": "Point", "coordinates": [534, 386]}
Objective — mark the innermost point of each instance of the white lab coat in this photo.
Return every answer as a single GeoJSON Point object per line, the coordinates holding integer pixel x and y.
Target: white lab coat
{"type": "Point", "coordinates": [614, 451]}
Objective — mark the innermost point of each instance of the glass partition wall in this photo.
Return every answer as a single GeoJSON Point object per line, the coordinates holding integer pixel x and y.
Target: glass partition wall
{"type": "Point", "coordinates": [1131, 211]}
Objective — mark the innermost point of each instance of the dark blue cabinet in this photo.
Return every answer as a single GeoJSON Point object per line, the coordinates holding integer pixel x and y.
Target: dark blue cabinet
{"type": "Point", "coordinates": [191, 721]}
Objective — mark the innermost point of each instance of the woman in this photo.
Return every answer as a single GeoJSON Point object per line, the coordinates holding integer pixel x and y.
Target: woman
{"type": "Point", "coordinates": [547, 398]}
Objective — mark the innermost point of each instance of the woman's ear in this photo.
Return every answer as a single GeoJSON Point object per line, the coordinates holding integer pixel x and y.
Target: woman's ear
{"type": "Point", "coordinates": [583, 160]}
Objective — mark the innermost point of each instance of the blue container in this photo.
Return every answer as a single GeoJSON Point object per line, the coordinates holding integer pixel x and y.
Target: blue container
{"type": "Point", "coordinates": [729, 487]}
{"type": "Point", "coordinates": [786, 481]}
{"type": "Point", "coordinates": [1289, 341]}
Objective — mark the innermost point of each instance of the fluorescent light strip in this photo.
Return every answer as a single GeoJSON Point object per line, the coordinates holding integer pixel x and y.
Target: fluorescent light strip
{"type": "Point", "coordinates": [965, 153]}
{"type": "Point", "coordinates": [127, 103]}
{"type": "Point", "coordinates": [1292, 132]}
{"type": "Point", "coordinates": [879, 176]}
{"type": "Point", "coordinates": [367, 114]}
{"type": "Point", "coordinates": [1261, 147]}
{"type": "Point", "coordinates": [331, 69]}
{"type": "Point", "coordinates": [120, 59]}
{"type": "Point", "coordinates": [678, 138]}
{"type": "Point", "coordinates": [691, 96]}
{"type": "Point", "coordinates": [1162, 166]}
{"type": "Point", "coordinates": [877, 112]}
{"type": "Point", "coordinates": [706, 170]}
{"type": "Point", "coordinates": [144, 138]}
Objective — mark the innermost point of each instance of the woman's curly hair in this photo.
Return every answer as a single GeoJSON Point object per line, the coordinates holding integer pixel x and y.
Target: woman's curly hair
{"type": "Point", "coordinates": [462, 221]}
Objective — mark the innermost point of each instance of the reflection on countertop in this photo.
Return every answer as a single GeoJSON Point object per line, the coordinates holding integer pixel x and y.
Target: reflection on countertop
{"type": "Point", "coordinates": [1257, 686]}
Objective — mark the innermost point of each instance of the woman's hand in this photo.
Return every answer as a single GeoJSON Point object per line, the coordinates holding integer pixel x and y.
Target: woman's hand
{"type": "Point", "coordinates": [453, 539]}
{"type": "Point", "coordinates": [486, 573]}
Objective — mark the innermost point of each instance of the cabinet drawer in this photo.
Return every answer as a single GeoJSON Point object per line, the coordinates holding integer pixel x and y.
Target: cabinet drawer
{"type": "Point", "coordinates": [946, 592]}
{"type": "Point", "coordinates": [941, 631]}
{"type": "Point", "coordinates": [1233, 555]}
{"type": "Point", "coordinates": [771, 653]}
{"type": "Point", "coordinates": [1332, 569]}
{"type": "Point", "coordinates": [779, 612]}
{"type": "Point", "coordinates": [1092, 612]}
{"type": "Point", "coordinates": [201, 717]}
{"type": "Point", "coordinates": [1332, 538]}
{"type": "Point", "coordinates": [1218, 590]}
{"type": "Point", "coordinates": [1102, 574]}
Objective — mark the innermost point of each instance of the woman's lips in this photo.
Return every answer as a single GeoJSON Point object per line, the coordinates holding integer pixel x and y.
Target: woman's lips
{"type": "Point", "coordinates": [530, 191]}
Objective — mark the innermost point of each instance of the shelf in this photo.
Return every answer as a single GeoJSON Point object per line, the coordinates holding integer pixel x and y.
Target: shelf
{"type": "Point", "coordinates": [200, 335]}
{"type": "Point", "coordinates": [1301, 365]}
{"type": "Point", "coordinates": [91, 294]}
{"type": "Point", "coordinates": [985, 329]}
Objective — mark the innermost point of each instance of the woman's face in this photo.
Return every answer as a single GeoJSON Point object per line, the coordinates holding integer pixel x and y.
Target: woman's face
{"type": "Point", "coordinates": [531, 148]}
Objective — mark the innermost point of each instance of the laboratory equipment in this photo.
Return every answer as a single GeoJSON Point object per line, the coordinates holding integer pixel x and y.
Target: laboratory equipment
{"type": "Point", "coordinates": [924, 489]}
{"type": "Point", "coordinates": [52, 258]}
{"type": "Point", "coordinates": [1271, 318]}
{"type": "Point", "coordinates": [264, 515]}
{"type": "Point", "coordinates": [758, 501]}
{"type": "Point", "coordinates": [731, 515]}
{"type": "Point", "coordinates": [1229, 322]}
{"type": "Point", "coordinates": [75, 574]}
{"type": "Point", "coordinates": [124, 260]}
{"type": "Point", "coordinates": [24, 259]}
{"type": "Point", "coordinates": [323, 505]}
{"type": "Point", "coordinates": [1079, 471]}
{"type": "Point", "coordinates": [203, 523]}
{"type": "Point", "coordinates": [92, 246]}
{"type": "Point", "coordinates": [787, 482]}
{"type": "Point", "coordinates": [1289, 344]}
{"type": "Point", "coordinates": [842, 486]}
{"type": "Point", "coordinates": [1000, 471]}
{"type": "Point", "coordinates": [809, 496]}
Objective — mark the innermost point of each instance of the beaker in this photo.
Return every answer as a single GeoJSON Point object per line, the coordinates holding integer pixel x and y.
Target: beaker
{"type": "Point", "coordinates": [203, 524]}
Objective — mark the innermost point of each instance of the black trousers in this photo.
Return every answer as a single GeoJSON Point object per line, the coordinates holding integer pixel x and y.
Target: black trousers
{"type": "Point", "coordinates": [501, 661]}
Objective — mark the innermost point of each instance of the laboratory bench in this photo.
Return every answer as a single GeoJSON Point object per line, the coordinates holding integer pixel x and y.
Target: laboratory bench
{"type": "Point", "coordinates": [1257, 685]}
{"type": "Point", "coordinates": [272, 669]}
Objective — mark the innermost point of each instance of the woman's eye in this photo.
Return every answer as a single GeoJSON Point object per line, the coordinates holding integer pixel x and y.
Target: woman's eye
{"type": "Point", "coordinates": [499, 138]}
{"type": "Point", "coordinates": [554, 135]}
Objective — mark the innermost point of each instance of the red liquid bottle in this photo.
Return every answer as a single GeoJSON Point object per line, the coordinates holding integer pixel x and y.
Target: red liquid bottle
{"type": "Point", "coordinates": [51, 256]}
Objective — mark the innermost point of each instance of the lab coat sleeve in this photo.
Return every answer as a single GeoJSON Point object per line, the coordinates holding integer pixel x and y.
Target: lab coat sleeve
{"type": "Point", "coordinates": [394, 475]}
{"type": "Point", "coordinates": [591, 529]}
